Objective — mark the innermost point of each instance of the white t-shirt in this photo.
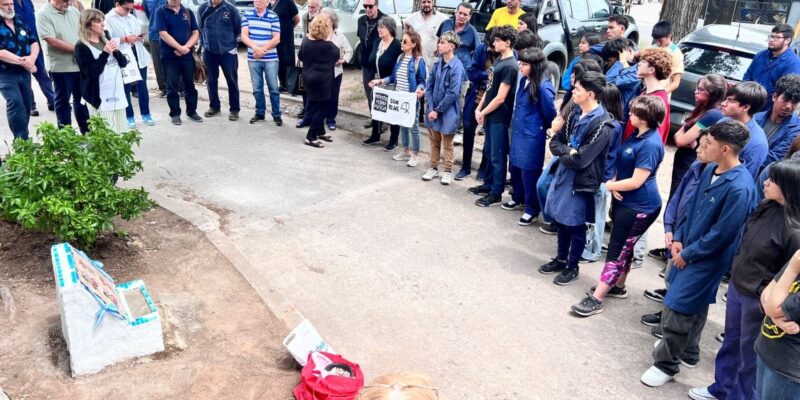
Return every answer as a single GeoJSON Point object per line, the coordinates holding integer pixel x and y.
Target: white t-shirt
{"type": "Point", "coordinates": [427, 29]}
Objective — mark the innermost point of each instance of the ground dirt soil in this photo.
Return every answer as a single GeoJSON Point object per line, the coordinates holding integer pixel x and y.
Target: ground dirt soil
{"type": "Point", "coordinates": [221, 341]}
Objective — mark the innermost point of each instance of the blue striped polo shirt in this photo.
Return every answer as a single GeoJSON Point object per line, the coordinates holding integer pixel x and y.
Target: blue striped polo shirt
{"type": "Point", "coordinates": [261, 29]}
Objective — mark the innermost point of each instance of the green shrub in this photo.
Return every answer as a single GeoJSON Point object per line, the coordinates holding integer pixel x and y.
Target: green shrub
{"type": "Point", "coordinates": [65, 184]}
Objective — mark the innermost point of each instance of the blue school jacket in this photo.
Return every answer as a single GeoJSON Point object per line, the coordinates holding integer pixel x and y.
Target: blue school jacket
{"type": "Point", "coordinates": [443, 93]}
{"type": "Point", "coordinates": [710, 235]}
{"type": "Point", "coordinates": [782, 139]}
{"type": "Point", "coordinates": [529, 123]}
{"type": "Point", "coordinates": [766, 70]}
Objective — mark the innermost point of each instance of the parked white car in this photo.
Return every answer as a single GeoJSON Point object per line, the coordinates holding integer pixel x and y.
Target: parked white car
{"type": "Point", "coordinates": [349, 11]}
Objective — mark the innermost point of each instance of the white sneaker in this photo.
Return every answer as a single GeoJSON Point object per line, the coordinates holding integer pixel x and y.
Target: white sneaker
{"type": "Point", "coordinates": [412, 161]}
{"type": "Point", "coordinates": [447, 177]}
{"type": "Point", "coordinates": [701, 393]}
{"type": "Point", "coordinates": [654, 377]}
{"type": "Point", "coordinates": [458, 140]}
{"type": "Point", "coordinates": [430, 174]}
{"type": "Point", "coordinates": [402, 156]}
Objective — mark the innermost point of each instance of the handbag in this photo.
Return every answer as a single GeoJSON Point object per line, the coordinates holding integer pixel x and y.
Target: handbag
{"type": "Point", "coordinates": [328, 376]}
{"type": "Point", "coordinates": [294, 80]}
{"type": "Point", "coordinates": [200, 69]}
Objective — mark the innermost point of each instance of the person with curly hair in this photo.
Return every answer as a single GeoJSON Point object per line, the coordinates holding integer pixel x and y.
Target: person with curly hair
{"type": "Point", "coordinates": [319, 56]}
{"type": "Point", "coordinates": [655, 65]}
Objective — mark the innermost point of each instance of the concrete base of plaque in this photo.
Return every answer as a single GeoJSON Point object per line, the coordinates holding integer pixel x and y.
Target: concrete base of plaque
{"type": "Point", "coordinates": [102, 323]}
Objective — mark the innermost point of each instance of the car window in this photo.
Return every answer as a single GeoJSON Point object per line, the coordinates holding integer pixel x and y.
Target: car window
{"type": "Point", "coordinates": [551, 12]}
{"type": "Point", "coordinates": [405, 6]}
{"type": "Point", "coordinates": [702, 60]}
{"type": "Point", "coordinates": [343, 5]}
{"type": "Point", "coordinates": [579, 10]}
{"type": "Point", "coordinates": [598, 9]}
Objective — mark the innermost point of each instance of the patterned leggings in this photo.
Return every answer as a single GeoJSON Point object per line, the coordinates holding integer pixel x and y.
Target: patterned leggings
{"type": "Point", "coordinates": [629, 225]}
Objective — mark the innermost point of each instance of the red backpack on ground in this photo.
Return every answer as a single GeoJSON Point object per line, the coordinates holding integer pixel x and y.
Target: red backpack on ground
{"type": "Point", "coordinates": [324, 378]}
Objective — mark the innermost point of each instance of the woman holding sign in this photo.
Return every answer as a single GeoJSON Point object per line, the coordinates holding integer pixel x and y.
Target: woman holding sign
{"type": "Point", "coordinates": [384, 56]}
{"type": "Point", "coordinates": [408, 76]}
{"type": "Point", "coordinates": [100, 63]}
{"type": "Point", "coordinates": [319, 56]}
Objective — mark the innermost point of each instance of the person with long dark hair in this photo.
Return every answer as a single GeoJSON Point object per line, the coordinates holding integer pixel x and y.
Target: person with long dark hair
{"type": "Point", "coordinates": [319, 55]}
{"type": "Point", "coordinates": [587, 41]}
{"type": "Point", "coordinates": [770, 239]}
{"type": "Point", "coordinates": [534, 109]}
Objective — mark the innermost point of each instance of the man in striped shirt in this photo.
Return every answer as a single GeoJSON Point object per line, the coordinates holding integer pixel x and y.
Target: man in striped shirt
{"type": "Point", "coordinates": [261, 33]}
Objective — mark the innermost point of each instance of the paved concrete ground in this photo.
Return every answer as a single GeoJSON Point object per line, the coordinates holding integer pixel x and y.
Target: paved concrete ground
{"type": "Point", "coordinates": [399, 274]}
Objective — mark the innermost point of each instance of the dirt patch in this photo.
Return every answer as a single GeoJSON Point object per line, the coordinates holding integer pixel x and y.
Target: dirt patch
{"type": "Point", "coordinates": [221, 340]}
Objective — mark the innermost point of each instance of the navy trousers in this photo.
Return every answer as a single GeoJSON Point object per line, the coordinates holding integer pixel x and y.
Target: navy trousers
{"type": "Point", "coordinates": [68, 84]}
{"type": "Point", "coordinates": [45, 83]}
{"type": "Point", "coordinates": [230, 67]}
{"type": "Point", "coordinates": [523, 181]}
{"type": "Point", "coordinates": [15, 87]}
{"type": "Point", "coordinates": [497, 142]}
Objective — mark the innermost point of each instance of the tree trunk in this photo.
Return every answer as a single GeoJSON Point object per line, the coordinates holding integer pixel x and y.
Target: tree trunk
{"type": "Point", "coordinates": [683, 14]}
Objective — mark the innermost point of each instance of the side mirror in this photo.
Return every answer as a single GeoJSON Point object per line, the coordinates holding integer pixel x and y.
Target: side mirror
{"type": "Point", "coordinates": [617, 10]}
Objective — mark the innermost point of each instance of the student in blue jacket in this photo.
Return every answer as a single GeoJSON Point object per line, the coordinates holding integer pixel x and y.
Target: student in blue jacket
{"type": "Point", "coordinates": [622, 70]}
{"type": "Point", "coordinates": [779, 123]}
{"type": "Point", "coordinates": [793, 153]}
{"type": "Point", "coordinates": [636, 203]}
{"type": "Point", "coordinates": [588, 40]}
{"type": "Point", "coordinates": [741, 103]}
{"type": "Point", "coordinates": [774, 62]}
{"type": "Point", "coordinates": [703, 247]}
{"type": "Point", "coordinates": [534, 109]}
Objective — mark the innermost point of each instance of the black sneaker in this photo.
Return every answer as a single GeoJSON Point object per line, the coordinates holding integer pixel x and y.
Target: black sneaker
{"type": "Point", "coordinates": [526, 219]}
{"type": "Point", "coordinates": [233, 116]}
{"type": "Point", "coordinates": [34, 112]}
{"type": "Point", "coordinates": [588, 306]}
{"type": "Point", "coordinates": [195, 118]}
{"type": "Point", "coordinates": [176, 120]}
{"type": "Point", "coordinates": [653, 319]}
{"type": "Point", "coordinates": [656, 331]}
{"type": "Point", "coordinates": [278, 121]}
{"type": "Point", "coordinates": [616, 292]}
{"type": "Point", "coordinates": [479, 190]}
{"type": "Point", "coordinates": [658, 254]}
{"type": "Point", "coordinates": [256, 119]}
{"type": "Point", "coordinates": [389, 147]}
{"type": "Point", "coordinates": [162, 94]}
{"type": "Point", "coordinates": [656, 294]}
{"type": "Point", "coordinates": [212, 112]}
{"type": "Point", "coordinates": [488, 200]}
{"type": "Point", "coordinates": [549, 229]}
{"type": "Point", "coordinates": [566, 277]}
{"type": "Point", "coordinates": [553, 266]}
{"type": "Point", "coordinates": [604, 249]}
{"type": "Point", "coordinates": [371, 142]}
{"type": "Point", "coordinates": [512, 205]}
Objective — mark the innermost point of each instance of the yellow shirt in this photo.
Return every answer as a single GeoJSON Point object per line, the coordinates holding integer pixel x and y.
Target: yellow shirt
{"type": "Point", "coordinates": [502, 17]}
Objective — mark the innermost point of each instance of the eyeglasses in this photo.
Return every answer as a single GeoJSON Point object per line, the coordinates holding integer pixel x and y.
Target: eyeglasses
{"type": "Point", "coordinates": [777, 37]}
{"type": "Point", "coordinates": [369, 6]}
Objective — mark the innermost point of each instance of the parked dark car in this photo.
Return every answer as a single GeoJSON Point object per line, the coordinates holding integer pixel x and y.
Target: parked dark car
{"type": "Point", "coordinates": [727, 50]}
{"type": "Point", "coordinates": [561, 22]}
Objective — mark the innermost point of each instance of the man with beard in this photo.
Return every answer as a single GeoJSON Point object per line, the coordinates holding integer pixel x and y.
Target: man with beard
{"type": "Point", "coordinates": [426, 23]}
{"type": "Point", "coordinates": [774, 62]}
{"type": "Point", "coordinates": [20, 47]}
{"type": "Point", "coordinates": [508, 15]}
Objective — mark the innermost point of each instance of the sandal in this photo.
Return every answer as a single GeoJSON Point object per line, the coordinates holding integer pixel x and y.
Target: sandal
{"type": "Point", "coordinates": [326, 138]}
{"type": "Point", "coordinates": [314, 144]}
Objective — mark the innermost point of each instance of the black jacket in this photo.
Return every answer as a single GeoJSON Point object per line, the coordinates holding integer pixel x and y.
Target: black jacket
{"type": "Point", "coordinates": [91, 70]}
{"type": "Point", "coordinates": [767, 245]}
{"type": "Point", "coordinates": [590, 160]}
{"type": "Point", "coordinates": [387, 60]}
{"type": "Point", "coordinates": [319, 58]}
{"type": "Point", "coordinates": [366, 41]}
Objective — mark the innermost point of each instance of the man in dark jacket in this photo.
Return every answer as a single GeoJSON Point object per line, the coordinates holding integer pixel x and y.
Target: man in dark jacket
{"type": "Point", "coordinates": [26, 11]}
{"type": "Point", "coordinates": [367, 35]}
{"type": "Point", "coordinates": [703, 247]}
{"type": "Point", "coordinates": [20, 48]}
{"type": "Point", "coordinates": [221, 25]}
{"type": "Point", "coordinates": [177, 27]}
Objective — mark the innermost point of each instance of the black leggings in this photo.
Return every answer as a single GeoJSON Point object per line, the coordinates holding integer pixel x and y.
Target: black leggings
{"type": "Point", "coordinates": [629, 225]}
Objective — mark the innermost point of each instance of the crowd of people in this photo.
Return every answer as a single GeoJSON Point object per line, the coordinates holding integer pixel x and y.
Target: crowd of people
{"type": "Point", "coordinates": [733, 209]}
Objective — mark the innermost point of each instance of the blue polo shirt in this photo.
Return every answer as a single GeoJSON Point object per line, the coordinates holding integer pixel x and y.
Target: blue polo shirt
{"type": "Point", "coordinates": [646, 152]}
{"type": "Point", "coordinates": [766, 70]}
{"type": "Point", "coordinates": [469, 41]}
{"type": "Point", "coordinates": [18, 41]}
{"type": "Point", "coordinates": [179, 25]}
{"type": "Point", "coordinates": [220, 27]}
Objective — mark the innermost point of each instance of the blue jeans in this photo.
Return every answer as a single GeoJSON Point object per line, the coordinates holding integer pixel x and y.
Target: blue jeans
{"type": "Point", "coordinates": [594, 242]}
{"type": "Point", "coordinates": [230, 66]}
{"type": "Point", "coordinates": [15, 87]}
{"type": "Point", "coordinates": [771, 385]}
{"type": "Point", "coordinates": [497, 143]}
{"type": "Point", "coordinates": [543, 185]}
{"type": "Point", "coordinates": [177, 71]}
{"type": "Point", "coordinates": [68, 84]}
{"type": "Point", "coordinates": [410, 136]}
{"type": "Point", "coordinates": [45, 83]}
{"type": "Point", "coordinates": [523, 181]}
{"type": "Point", "coordinates": [333, 103]}
{"type": "Point", "coordinates": [141, 91]}
{"type": "Point", "coordinates": [735, 366]}
{"type": "Point", "coordinates": [261, 71]}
